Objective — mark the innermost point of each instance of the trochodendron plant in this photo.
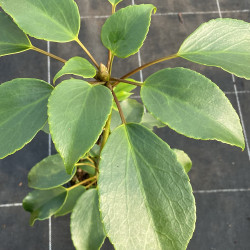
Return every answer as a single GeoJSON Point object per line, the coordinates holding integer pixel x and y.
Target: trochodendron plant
{"type": "Point", "coordinates": [126, 183]}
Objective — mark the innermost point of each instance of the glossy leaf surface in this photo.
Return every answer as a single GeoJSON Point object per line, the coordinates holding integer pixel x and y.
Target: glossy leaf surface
{"type": "Point", "coordinates": [49, 173]}
{"type": "Point", "coordinates": [133, 112]}
{"type": "Point", "coordinates": [77, 114]}
{"type": "Point", "coordinates": [193, 105]}
{"type": "Point", "coordinates": [125, 31]}
{"type": "Point", "coordinates": [222, 43]}
{"type": "Point", "coordinates": [23, 112]}
{"type": "Point", "coordinates": [12, 39]}
{"type": "Point", "coordinates": [86, 226]}
{"type": "Point", "coordinates": [53, 20]}
{"type": "Point", "coordinates": [146, 199]}
{"type": "Point", "coordinates": [73, 196]}
{"type": "Point", "coordinates": [77, 66]}
{"type": "Point", "coordinates": [183, 159]}
{"type": "Point", "coordinates": [44, 203]}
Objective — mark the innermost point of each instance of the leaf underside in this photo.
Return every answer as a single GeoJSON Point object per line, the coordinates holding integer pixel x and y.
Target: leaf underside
{"type": "Point", "coordinates": [193, 105]}
{"type": "Point", "coordinates": [222, 43]}
{"type": "Point", "coordinates": [146, 199]}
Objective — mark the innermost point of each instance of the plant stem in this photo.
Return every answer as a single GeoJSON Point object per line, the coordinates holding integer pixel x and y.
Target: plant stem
{"type": "Point", "coordinates": [96, 82]}
{"type": "Point", "coordinates": [149, 64]}
{"type": "Point", "coordinates": [85, 164]}
{"type": "Point", "coordinates": [88, 186]}
{"type": "Point", "coordinates": [117, 104]}
{"type": "Point", "coordinates": [113, 8]}
{"type": "Point", "coordinates": [126, 81]}
{"type": "Point", "coordinates": [106, 132]}
{"type": "Point", "coordinates": [89, 159]}
{"type": "Point", "coordinates": [81, 183]}
{"type": "Point", "coordinates": [48, 54]}
{"type": "Point", "coordinates": [87, 52]}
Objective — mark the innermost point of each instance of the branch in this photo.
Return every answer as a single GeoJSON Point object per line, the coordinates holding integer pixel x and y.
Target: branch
{"type": "Point", "coordinates": [117, 104]}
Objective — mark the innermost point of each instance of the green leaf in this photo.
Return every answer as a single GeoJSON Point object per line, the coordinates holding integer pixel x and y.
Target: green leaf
{"type": "Point", "coordinates": [52, 20]}
{"type": "Point", "coordinates": [125, 31]}
{"type": "Point", "coordinates": [123, 90]}
{"type": "Point", "coordinates": [77, 66]}
{"type": "Point", "coordinates": [191, 104]}
{"type": "Point", "coordinates": [73, 196]}
{"type": "Point", "coordinates": [49, 173]}
{"type": "Point", "coordinates": [44, 203]}
{"type": "Point", "coordinates": [133, 112]}
{"type": "Point", "coordinates": [222, 43]}
{"type": "Point", "coordinates": [77, 114]}
{"type": "Point", "coordinates": [12, 39]}
{"type": "Point", "coordinates": [86, 226]}
{"type": "Point", "coordinates": [146, 200]}
{"type": "Point", "coordinates": [23, 112]}
{"type": "Point", "coordinates": [150, 121]}
{"type": "Point", "coordinates": [183, 159]}
{"type": "Point", "coordinates": [115, 2]}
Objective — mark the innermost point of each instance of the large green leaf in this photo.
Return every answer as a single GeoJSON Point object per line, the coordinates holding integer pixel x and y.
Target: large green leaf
{"type": "Point", "coordinates": [77, 114]}
{"type": "Point", "coordinates": [73, 196]}
{"type": "Point", "coordinates": [192, 105]}
{"type": "Point", "coordinates": [146, 199]}
{"type": "Point", "coordinates": [133, 112]}
{"type": "Point", "coordinates": [86, 226]}
{"type": "Point", "coordinates": [12, 39]}
{"type": "Point", "coordinates": [115, 2]}
{"type": "Point", "coordinates": [125, 31]}
{"type": "Point", "coordinates": [53, 20]}
{"type": "Point", "coordinates": [23, 112]}
{"type": "Point", "coordinates": [222, 43]}
{"type": "Point", "coordinates": [44, 203]}
{"type": "Point", "coordinates": [77, 66]}
{"type": "Point", "coordinates": [49, 173]}
{"type": "Point", "coordinates": [183, 159]}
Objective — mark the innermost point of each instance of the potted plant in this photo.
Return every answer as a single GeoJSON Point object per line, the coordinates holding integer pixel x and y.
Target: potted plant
{"type": "Point", "coordinates": [126, 183]}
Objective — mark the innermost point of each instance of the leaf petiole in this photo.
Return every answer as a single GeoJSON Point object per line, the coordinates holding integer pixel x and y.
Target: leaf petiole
{"type": "Point", "coordinates": [150, 64]}
{"type": "Point", "coordinates": [48, 54]}
{"type": "Point", "coordinates": [81, 183]}
{"type": "Point", "coordinates": [117, 80]}
{"type": "Point", "coordinates": [87, 52]}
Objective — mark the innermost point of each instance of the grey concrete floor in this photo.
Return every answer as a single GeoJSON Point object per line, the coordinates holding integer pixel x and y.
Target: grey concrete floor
{"type": "Point", "coordinates": [220, 175]}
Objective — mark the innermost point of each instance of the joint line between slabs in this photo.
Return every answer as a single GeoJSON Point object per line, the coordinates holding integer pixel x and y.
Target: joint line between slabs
{"type": "Point", "coordinates": [49, 139]}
